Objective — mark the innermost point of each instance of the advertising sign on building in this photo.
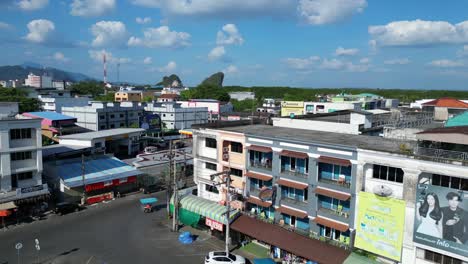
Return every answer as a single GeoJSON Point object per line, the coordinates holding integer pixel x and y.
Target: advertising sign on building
{"type": "Point", "coordinates": [214, 224]}
{"type": "Point", "coordinates": [441, 219]}
{"type": "Point", "coordinates": [150, 122]}
{"type": "Point", "coordinates": [380, 225]}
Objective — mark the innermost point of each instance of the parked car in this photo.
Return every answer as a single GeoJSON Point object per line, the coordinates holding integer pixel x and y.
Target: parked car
{"type": "Point", "coordinates": [152, 188]}
{"type": "Point", "coordinates": [221, 257]}
{"type": "Point", "coordinates": [66, 207]}
{"type": "Point", "coordinates": [179, 145]}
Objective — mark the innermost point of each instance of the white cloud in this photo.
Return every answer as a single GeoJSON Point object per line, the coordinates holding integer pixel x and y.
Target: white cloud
{"type": "Point", "coordinates": [319, 12]}
{"type": "Point", "coordinates": [40, 30]}
{"type": "Point", "coordinates": [419, 33]}
{"type": "Point", "coordinates": [229, 35]}
{"type": "Point", "coordinates": [161, 37]}
{"type": "Point", "coordinates": [365, 60]}
{"type": "Point", "coordinates": [301, 64]}
{"type": "Point", "coordinates": [169, 68]}
{"type": "Point", "coordinates": [148, 60]}
{"type": "Point", "coordinates": [332, 64]}
{"type": "Point", "coordinates": [60, 57]}
{"type": "Point", "coordinates": [143, 20]}
{"type": "Point", "coordinates": [4, 26]}
{"type": "Point", "coordinates": [398, 61]}
{"type": "Point", "coordinates": [444, 63]}
{"type": "Point", "coordinates": [90, 8]}
{"type": "Point", "coordinates": [340, 51]}
{"type": "Point", "coordinates": [97, 56]}
{"type": "Point", "coordinates": [31, 5]}
{"type": "Point", "coordinates": [463, 51]}
{"type": "Point", "coordinates": [108, 33]}
{"type": "Point", "coordinates": [148, 3]}
{"type": "Point", "coordinates": [217, 53]}
{"type": "Point", "coordinates": [231, 69]}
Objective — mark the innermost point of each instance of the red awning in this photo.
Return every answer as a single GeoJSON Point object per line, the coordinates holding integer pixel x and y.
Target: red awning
{"type": "Point", "coordinates": [258, 176]}
{"type": "Point", "coordinates": [336, 161]}
{"type": "Point", "coordinates": [257, 201]}
{"type": "Point", "coordinates": [4, 213]}
{"type": "Point", "coordinates": [294, 154]}
{"type": "Point", "coordinates": [332, 224]}
{"type": "Point", "coordinates": [292, 184]}
{"type": "Point", "coordinates": [331, 193]}
{"type": "Point", "coordinates": [260, 148]}
{"type": "Point", "coordinates": [289, 211]}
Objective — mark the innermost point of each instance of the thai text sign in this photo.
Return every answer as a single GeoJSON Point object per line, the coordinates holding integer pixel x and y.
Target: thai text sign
{"type": "Point", "coordinates": [214, 224]}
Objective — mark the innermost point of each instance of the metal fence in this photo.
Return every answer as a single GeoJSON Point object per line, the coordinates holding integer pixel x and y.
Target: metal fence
{"type": "Point", "coordinates": [441, 155]}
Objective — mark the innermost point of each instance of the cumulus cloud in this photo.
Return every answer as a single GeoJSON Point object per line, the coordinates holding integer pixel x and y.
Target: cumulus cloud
{"type": "Point", "coordinates": [419, 33]}
{"type": "Point", "coordinates": [444, 63]}
{"type": "Point", "coordinates": [40, 31]}
{"type": "Point", "coordinates": [217, 53]}
{"type": "Point", "coordinates": [97, 56]}
{"type": "Point", "coordinates": [148, 60]}
{"type": "Point", "coordinates": [300, 63]}
{"type": "Point", "coordinates": [143, 20]}
{"type": "Point", "coordinates": [108, 33]}
{"type": "Point", "coordinates": [161, 37]}
{"type": "Point", "coordinates": [31, 5]}
{"type": "Point", "coordinates": [169, 68]}
{"type": "Point", "coordinates": [319, 12]}
{"type": "Point", "coordinates": [398, 61]}
{"type": "Point", "coordinates": [222, 8]}
{"type": "Point", "coordinates": [463, 51]}
{"type": "Point", "coordinates": [364, 60]}
{"type": "Point", "coordinates": [340, 51]}
{"type": "Point", "coordinates": [229, 35]}
{"type": "Point", "coordinates": [90, 8]}
{"type": "Point", "coordinates": [60, 57]}
{"type": "Point", "coordinates": [231, 69]}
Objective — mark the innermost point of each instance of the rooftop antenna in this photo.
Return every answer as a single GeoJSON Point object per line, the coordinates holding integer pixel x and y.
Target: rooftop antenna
{"type": "Point", "coordinates": [105, 71]}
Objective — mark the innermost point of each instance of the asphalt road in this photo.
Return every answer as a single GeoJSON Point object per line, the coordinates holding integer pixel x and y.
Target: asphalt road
{"type": "Point", "coordinates": [116, 232]}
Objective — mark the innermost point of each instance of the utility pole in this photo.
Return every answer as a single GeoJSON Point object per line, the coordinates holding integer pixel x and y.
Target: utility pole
{"type": "Point", "coordinates": [227, 180]}
{"type": "Point", "coordinates": [168, 179]}
{"type": "Point", "coordinates": [175, 217]}
{"type": "Point", "coordinates": [83, 173]}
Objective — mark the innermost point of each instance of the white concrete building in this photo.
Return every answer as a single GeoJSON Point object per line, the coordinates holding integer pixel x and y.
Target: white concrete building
{"type": "Point", "coordinates": [100, 115]}
{"type": "Point", "coordinates": [173, 116]}
{"type": "Point", "coordinates": [58, 84]}
{"type": "Point", "coordinates": [5, 84]}
{"type": "Point", "coordinates": [328, 107]}
{"type": "Point", "coordinates": [54, 101]}
{"type": "Point", "coordinates": [37, 81]}
{"type": "Point", "coordinates": [215, 107]}
{"type": "Point", "coordinates": [240, 96]}
{"type": "Point", "coordinates": [20, 157]}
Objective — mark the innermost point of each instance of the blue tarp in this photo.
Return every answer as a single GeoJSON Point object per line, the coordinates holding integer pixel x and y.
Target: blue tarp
{"type": "Point", "coordinates": [264, 261]}
{"type": "Point", "coordinates": [148, 200]}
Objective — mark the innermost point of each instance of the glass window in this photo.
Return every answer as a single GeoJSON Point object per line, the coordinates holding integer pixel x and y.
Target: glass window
{"type": "Point", "coordinates": [211, 188]}
{"type": "Point", "coordinates": [445, 181]}
{"type": "Point", "coordinates": [452, 182]}
{"type": "Point", "coordinates": [121, 115]}
{"type": "Point", "coordinates": [23, 176]}
{"type": "Point", "coordinates": [210, 143]}
{"type": "Point", "coordinates": [21, 155]}
{"type": "Point", "coordinates": [112, 116]}
{"type": "Point", "coordinates": [20, 133]}
{"type": "Point", "coordinates": [236, 172]}
{"type": "Point", "coordinates": [236, 147]}
{"type": "Point", "coordinates": [210, 166]}
{"type": "Point", "coordinates": [387, 173]}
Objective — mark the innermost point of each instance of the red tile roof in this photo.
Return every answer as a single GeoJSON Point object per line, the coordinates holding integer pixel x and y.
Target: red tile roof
{"type": "Point", "coordinates": [169, 96]}
{"type": "Point", "coordinates": [447, 102]}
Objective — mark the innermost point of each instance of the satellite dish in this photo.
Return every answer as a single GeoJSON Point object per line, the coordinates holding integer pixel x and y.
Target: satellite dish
{"type": "Point", "coordinates": [382, 190]}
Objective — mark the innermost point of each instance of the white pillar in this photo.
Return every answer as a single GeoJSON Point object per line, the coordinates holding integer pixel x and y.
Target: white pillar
{"type": "Point", "coordinates": [410, 181]}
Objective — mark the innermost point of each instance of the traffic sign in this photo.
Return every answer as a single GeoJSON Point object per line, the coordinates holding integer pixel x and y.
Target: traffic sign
{"type": "Point", "coordinates": [18, 246]}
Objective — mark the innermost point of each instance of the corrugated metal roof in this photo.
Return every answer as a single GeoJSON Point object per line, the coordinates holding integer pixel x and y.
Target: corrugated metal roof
{"type": "Point", "coordinates": [50, 115]}
{"type": "Point", "coordinates": [447, 130]}
{"type": "Point", "coordinates": [102, 133]}
{"type": "Point", "coordinates": [458, 120]}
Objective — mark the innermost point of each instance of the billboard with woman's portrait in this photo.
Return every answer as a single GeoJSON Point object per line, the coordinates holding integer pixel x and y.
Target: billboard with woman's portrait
{"type": "Point", "coordinates": [441, 218]}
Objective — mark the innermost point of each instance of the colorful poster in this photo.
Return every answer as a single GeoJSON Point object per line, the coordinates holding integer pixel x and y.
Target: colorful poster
{"type": "Point", "coordinates": [441, 219]}
{"type": "Point", "coordinates": [380, 225]}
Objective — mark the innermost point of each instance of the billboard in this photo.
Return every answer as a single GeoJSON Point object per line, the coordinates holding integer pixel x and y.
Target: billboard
{"type": "Point", "coordinates": [441, 219]}
{"type": "Point", "coordinates": [380, 225]}
{"type": "Point", "coordinates": [150, 122]}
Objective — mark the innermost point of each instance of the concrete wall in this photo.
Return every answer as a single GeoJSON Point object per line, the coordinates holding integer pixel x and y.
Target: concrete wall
{"type": "Point", "coordinates": [317, 125]}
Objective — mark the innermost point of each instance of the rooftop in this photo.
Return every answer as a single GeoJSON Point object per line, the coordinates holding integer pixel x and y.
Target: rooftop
{"type": "Point", "coordinates": [54, 116]}
{"type": "Point", "coordinates": [103, 133]}
{"type": "Point", "coordinates": [320, 137]}
{"type": "Point", "coordinates": [169, 96]}
{"type": "Point", "coordinates": [458, 120]}
{"type": "Point", "coordinates": [61, 149]}
{"type": "Point", "coordinates": [447, 102]}
{"type": "Point", "coordinates": [447, 130]}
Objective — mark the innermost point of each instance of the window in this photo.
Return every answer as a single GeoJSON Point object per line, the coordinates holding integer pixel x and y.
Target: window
{"type": "Point", "coordinates": [450, 182]}
{"type": "Point", "coordinates": [98, 144]}
{"type": "Point", "coordinates": [211, 188]}
{"type": "Point", "coordinates": [21, 155]}
{"type": "Point", "coordinates": [23, 175]}
{"type": "Point", "coordinates": [387, 173]}
{"type": "Point", "coordinates": [210, 166]}
{"type": "Point", "coordinates": [236, 172]}
{"type": "Point", "coordinates": [258, 184]}
{"type": "Point", "coordinates": [210, 143]}
{"type": "Point", "coordinates": [112, 116]}
{"type": "Point", "coordinates": [121, 115]}
{"type": "Point", "coordinates": [112, 126]}
{"type": "Point", "coordinates": [122, 124]}
{"type": "Point", "coordinates": [296, 194]}
{"type": "Point", "coordinates": [236, 147]}
{"type": "Point", "coordinates": [130, 114]}
{"type": "Point", "coordinates": [294, 165]}
{"type": "Point", "coordinates": [102, 117]}
{"type": "Point", "coordinates": [21, 133]}
{"type": "Point", "coordinates": [436, 257]}
{"type": "Point", "coordinates": [103, 127]}
{"type": "Point", "coordinates": [164, 115]}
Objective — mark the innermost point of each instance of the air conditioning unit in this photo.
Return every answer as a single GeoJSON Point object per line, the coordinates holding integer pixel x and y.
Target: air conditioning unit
{"type": "Point", "coordinates": [225, 156]}
{"type": "Point", "coordinates": [226, 149]}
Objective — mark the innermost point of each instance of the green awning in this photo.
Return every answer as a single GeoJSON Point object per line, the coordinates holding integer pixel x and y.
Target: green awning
{"type": "Point", "coordinates": [205, 208]}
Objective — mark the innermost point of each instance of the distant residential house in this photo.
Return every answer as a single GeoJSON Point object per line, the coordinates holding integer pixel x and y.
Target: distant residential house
{"type": "Point", "coordinates": [54, 124]}
{"type": "Point", "coordinates": [444, 108]}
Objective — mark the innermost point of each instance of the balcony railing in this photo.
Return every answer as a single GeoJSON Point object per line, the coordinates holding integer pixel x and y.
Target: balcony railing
{"type": "Point", "coordinates": [335, 212]}
{"type": "Point", "coordinates": [261, 165]}
{"type": "Point", "coordinates": [295, 201]}
{"type": "Point", "coordinates": [336, 182]}
{"type": "Point", "coordinates": [441, 155]}
{"type": "Point", "coordinates": [294, 173]}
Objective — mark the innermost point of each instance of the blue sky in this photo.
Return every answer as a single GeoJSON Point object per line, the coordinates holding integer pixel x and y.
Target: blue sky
{"type": "Point", "coordinates": [303, 43]}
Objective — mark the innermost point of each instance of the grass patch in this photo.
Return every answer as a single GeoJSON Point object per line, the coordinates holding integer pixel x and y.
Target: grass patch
{"type": "Point", "coordinates": [256, 250]}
